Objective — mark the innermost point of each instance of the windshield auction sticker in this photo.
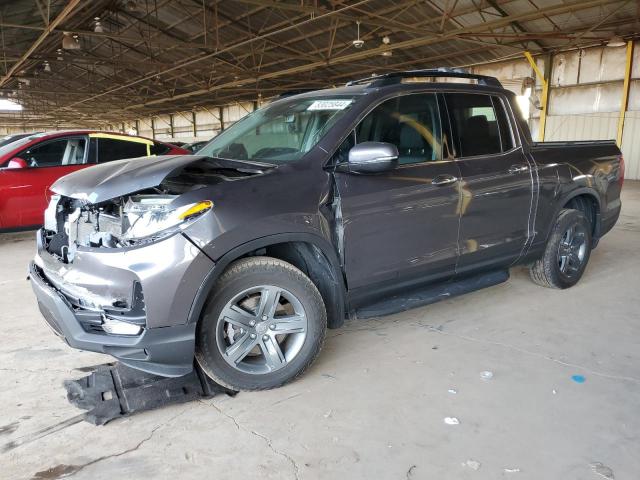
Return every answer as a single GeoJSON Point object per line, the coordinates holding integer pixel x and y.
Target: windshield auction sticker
{"type": "Point", "coordinates": [329, 105]}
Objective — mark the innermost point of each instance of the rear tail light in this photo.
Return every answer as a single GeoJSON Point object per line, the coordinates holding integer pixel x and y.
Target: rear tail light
{"type": "Point", "coordinates": [621, 179]}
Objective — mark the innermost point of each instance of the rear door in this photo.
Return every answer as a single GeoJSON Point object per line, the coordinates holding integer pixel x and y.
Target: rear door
{"type": "Point", "coordinates": [401, 225]}
{"type": "Point", "coordinates": [497, 187]}
{"type": "Point", "coordinates": [46, 162]}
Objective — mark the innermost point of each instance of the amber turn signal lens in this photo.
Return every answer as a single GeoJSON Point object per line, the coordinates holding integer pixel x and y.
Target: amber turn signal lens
{"type": "Point", "coordinates": [197, 209]}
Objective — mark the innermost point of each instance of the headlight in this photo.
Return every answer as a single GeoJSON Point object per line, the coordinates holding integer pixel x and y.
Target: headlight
{"type": "Point", "coordinates": [151, 217]}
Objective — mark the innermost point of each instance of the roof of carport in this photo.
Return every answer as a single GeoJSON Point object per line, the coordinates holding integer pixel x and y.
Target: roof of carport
{"type": "Point", "coordinates": [165, 55]}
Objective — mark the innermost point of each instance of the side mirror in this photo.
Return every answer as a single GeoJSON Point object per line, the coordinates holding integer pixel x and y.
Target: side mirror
{"type": "Point", "coordinates": [17, 162]}
{"type": "Point", "coordinates": [372, 157]}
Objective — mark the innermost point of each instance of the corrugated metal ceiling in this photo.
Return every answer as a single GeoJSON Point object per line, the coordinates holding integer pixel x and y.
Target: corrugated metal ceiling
{"type": "Point", "coordinates": [156, 56]}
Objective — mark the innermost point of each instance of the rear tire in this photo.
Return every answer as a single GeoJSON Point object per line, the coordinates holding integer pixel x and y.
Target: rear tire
{"type": "Point", "coordinates": [567, 252]}
{"type": "Point", "coordinates": [262, 326]}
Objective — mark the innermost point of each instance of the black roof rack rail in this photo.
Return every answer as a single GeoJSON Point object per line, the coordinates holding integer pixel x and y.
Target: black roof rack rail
{"type": "Point", "coordinates": [290, 93]}
{"type": "Point", "coordinates": [397, 77]}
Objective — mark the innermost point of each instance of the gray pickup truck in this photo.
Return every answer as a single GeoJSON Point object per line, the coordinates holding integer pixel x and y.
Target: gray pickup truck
{"type": "Point", "coordinates": [388, 193]}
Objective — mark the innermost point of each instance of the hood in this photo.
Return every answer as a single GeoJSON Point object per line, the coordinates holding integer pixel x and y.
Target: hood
{"type": "Point", "coordinates": [114, 179]}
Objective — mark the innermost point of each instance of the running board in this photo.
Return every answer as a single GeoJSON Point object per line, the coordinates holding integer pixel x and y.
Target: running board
{"type": "Point", "coordinates": [431, 294]}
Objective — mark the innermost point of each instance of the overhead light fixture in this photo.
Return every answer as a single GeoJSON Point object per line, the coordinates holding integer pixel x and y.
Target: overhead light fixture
{"type": "Point", "coordinates": [97, 26]}
{"type": "Point", "coordinates": [8, 105]}
{"type": "Point", "coordinates": [358, 42]}
{"type": "Point", "coordinates": [131, 6]}
{"type": "Point", "coordinates": [47, 67]}
{"type": "Point", "coordinates": [70, 42]}
{"type": "Point", "coordinates": [616, 41]}
{"type": "Point", "coordinates": [386, 41]}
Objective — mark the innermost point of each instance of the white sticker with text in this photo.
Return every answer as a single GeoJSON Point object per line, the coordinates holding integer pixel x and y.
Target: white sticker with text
{"type": "Point", "coordinates": [329, 105]}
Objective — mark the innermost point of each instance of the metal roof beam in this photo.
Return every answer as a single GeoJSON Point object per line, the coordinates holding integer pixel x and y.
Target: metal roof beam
{"type": "Point", "coordinates": [66, 13]}
{"type": "Point", "coordinates": [365, 19]}
{"type": "Point", "coordinates": [428, 40]}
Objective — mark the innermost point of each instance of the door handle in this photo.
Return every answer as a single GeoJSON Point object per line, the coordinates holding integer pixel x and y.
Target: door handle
{"type": "Point", "coordinates": [442, 180]}
{"type": "Point", "coordinates": [513, 169]}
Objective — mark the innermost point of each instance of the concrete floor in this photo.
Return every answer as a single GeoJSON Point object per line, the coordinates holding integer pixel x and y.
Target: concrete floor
{"type": "Point", "coordinates": [373, 405]}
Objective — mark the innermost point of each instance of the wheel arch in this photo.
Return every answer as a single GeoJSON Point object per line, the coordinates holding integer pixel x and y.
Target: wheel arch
{"type": "Point", "coordinates": [311, 253]}
{"type": "Point", "coordinates": [588, 202]}
{"type": "Point", "coordinates": [583, 193]}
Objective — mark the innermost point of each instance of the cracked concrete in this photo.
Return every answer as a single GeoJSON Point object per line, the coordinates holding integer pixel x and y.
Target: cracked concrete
{"type": "Point", "coordinates": [267, 440]}
{"type": "Point", "coordinates": [374, 403]}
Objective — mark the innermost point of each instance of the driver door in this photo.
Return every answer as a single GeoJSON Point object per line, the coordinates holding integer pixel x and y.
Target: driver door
{"type": "Point", "coordinates": [401, 226]}
{"type": "Point", "coordinates": [26, 190]}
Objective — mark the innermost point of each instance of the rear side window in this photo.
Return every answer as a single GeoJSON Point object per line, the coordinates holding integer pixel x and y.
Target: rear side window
{"type": "Point", "coordinates": [64, 151]}
{"type": "Point", "coordinates": [159, 148]}
{"type": "Point", "coordinates": [110, 149]}
{"type": "Point", "coordinates": [480, 124]}
{"type": "Point", "coordinates": [411, 122]}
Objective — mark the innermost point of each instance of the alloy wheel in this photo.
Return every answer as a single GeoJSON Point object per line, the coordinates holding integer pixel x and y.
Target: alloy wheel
{"type": "Point", "coordinates": [572, 250]}
{"type": "Point", "coordinates": [261, 329]}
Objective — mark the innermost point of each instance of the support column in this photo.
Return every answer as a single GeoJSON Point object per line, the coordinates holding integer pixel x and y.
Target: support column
{"type": "Point", "coordinates": [193, 120]}
{"type": "Point", "coordinates": [171, 130]}
{"type": "Point", "coordinates": [220, 114]}
{"type": "Point", "coordinates": [625, 92]}
{"type": "Point", "coordinates": [544, 100]}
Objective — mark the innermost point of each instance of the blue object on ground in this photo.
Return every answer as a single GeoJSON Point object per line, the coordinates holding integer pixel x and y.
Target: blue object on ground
{"type": "Point", "coordinates": [578, 378]}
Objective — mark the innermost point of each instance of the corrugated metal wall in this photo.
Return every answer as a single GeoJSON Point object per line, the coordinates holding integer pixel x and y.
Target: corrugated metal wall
{"type": "Point", "coordinates": [631, 145]}
{"type": "Point", "coordinates": [589, 126]}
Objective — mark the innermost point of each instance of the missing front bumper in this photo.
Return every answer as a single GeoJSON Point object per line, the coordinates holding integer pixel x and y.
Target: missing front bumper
{"type": "Point", "coordinates": [167, 351]}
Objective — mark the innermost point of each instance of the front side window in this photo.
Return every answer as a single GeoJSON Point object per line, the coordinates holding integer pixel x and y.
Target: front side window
{"type": "Point", "coordinates": [410, 122]}
{"type": "Point", "coordinates": [281, 132]}
{"type": "Point", "coordinates": [67, 151]}
{"type": "Point", "coordinates": [110, 149]}
{"type": "Point", "coordinates": [480, 124]}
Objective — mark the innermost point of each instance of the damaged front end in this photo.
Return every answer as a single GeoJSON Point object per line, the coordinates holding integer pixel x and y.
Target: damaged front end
{"type": "Point", "coordinates": [122, 222]}
{"type": "Point", "coordinates": [92, 254]}
{"type": "Point", "coordinates": [120, 277]}
{"type": "Point", "coordinates": [119, 274]}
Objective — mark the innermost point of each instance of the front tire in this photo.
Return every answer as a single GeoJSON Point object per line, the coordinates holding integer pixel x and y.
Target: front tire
{"type": "Point", "coordinates": [262, 326]}
{"type": "Point", "coordinates": [567, 252]}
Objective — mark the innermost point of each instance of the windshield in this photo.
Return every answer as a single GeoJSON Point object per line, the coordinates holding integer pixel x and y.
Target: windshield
{"type": "Point", "coordinates": [281, 132]}
{"type": "Point", "coordinates": [12, 138]}
{"type": "Point", "coordinates": [10, 147]}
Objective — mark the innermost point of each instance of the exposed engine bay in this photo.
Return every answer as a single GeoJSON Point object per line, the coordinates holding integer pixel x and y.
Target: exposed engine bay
{"type": "Point", "coordinates": [136, 218]}
{"type": "Point", "coordinates": [70, 222]}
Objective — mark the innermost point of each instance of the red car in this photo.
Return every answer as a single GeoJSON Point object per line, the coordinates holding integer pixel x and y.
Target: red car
{"type": "Point", "coordinates": [30, 165]}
